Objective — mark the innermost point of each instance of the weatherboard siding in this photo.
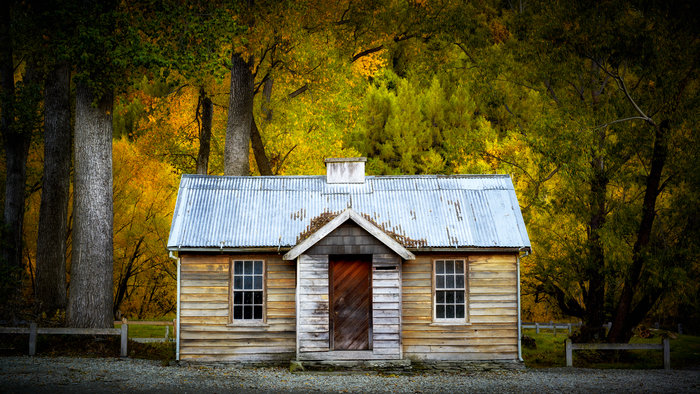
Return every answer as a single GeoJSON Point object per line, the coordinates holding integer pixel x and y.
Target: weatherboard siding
{"type": "Point", "coordinates": [205, 332]}
{"type": "Point", "coordinates": [491, 332]}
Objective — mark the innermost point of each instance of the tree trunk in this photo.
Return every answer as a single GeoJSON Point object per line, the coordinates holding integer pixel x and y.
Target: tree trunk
{"type": "Point", "coordinates": [206, 114]}
{"type": "Point", "coordinates": [16, 148]}
{"type": "Point", "coordinates": [240, 118]}
{"type": "Point", "coordinates": [90, 297]}
{"type": "Point", "coordinates": [123, 284]}
{"type": "Point", "coordinates": [53, 212]}
{"type": "Point", "coordinates": [627, 316]}
{"type": "Point", "coordinates": [594, 297]}
{"type": "Point", "coordinates": [259, 152]}
{"type": "Point", "coordinates": [267, 98]}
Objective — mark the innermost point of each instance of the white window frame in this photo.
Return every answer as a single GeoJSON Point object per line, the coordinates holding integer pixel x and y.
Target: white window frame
{"type": "Point", "coordinates": [461, 320]}
{"type": "Point", "coordinates": [242, 322]}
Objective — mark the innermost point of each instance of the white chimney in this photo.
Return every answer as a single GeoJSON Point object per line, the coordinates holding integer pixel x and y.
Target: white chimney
{"type": "Point", "coordinates": [345, 170]}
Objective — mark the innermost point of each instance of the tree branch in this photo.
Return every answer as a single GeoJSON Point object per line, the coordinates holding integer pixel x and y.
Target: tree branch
{"type": "Point", "coordinates": [366, 52]}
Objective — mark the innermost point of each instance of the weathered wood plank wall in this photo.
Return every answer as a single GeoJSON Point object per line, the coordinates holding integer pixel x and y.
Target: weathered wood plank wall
{"type": "Point", "coordinates": [313, 324]}
{"type": "Point", "coordinates": [491, 332]}
{"type": "Point", "coordinates": [205, 334]}
{"type": "Point", "coordinates": [386, 305]}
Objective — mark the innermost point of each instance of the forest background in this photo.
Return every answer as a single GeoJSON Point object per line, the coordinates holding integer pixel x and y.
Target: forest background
{"type": "Point", "coordinates": [591, 106]}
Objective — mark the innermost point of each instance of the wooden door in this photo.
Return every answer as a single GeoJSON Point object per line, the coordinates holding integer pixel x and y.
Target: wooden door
{"type": "Point", "coordinates": [351, 302]}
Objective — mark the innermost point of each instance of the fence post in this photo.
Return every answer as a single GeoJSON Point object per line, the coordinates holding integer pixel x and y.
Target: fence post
{"type": "Point", "coordinates": [569, 325]}
{"type": "Point", "coordinates": [569, 353]}
{"type": "Point", "coordinates": [554, 327]}
{"type": "Point", "coordinates": [32, 339]}
{"type": "Point", "coordinates": [537, 328]}
{"type": "Point", "coordinates": [125, 336]}
{"type": "Point", "coordinates": [680, 329]}
{"type": "Point", "coordinates": [167, 333]}
{"type": "Point", "coordinates": [667, 353]}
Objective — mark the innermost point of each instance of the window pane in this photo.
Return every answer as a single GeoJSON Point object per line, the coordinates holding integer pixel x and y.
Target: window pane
{"type": "Point", "coordinates": [440, 282]}
{"type": "Point", "coordinates": [449, 281]}
{"type": "Point", "coordinates": [440, 312]}
{"type": "Point", "coordinates": [257, 282]}
{"type": "Point", "coordinates": [460, 281]}
{"type": "Point", "coordinates": [449, 267]}
{"type": "Point", "coordinates": [237, 312]}
{"type": "Point", "coordinates": [459, 267]}
{"type": "Point", "coordinates": [439, 267]}
{"type": "Point", "coordinates": [248, 297]}
{"type": "Point", "coordinates": [237, 297]}
{"type": "Point", "coordinates": [257, 311]}
{"type": "Point", "coordinates": [247, 312]}
{"type": "Point", "coordinates": [238, 267]}
{"type": "Point", "coordinates": [248, 267]}
{"type": "Point", "coordinates": [258, 267]}
{"type": "Point", "coordinates": [440, 297]}
{"type": "Point", "coordinates": [237, 282]}
{"type": "Point", "coordinates": [459, 297]}
{"type": "Point", "coordinates": [248, 282]}
{"type": "Point", "coordinates": [449, 311]}
{"type": "Point", "coordinates": [459, 312]}
{"type": "Point", "coordinates": [449, 297]}
{"type": "Point", "coordinates": [257, 297]}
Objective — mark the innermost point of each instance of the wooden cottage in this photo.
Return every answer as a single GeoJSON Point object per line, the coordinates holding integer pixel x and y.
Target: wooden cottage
{"type": "Point", "coordinates": [348, 267]}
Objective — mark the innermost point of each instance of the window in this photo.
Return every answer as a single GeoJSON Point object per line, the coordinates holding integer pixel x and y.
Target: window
{"type": "Point", "coordinates": [450, 290]}
{"type": "Point", "coordinates": [247, 290]}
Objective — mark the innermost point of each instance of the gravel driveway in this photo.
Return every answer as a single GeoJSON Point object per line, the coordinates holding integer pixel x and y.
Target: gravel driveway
{"type": "Point", "coordinates": [64, 374]}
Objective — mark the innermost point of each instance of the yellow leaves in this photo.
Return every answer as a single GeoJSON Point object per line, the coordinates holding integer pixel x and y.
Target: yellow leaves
{"type": "Point", "coordinates": [367, 66]}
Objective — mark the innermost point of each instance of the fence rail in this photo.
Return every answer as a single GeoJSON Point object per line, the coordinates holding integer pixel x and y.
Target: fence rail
{"type": "Point", "coordinates": [551, 326]}
{"type": "Point", "coordinates": [663, 346]}
{"type": "Point", "coordinates": [33, 330]}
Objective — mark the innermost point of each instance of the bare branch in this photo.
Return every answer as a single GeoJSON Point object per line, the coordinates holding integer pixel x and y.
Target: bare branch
{"type": "Point", "coordinates": [551, 91]}
{"type": "Point", "coordinates": [604, 125]}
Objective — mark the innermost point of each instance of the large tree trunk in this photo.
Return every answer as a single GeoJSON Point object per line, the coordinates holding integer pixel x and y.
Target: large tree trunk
{"type": "Point", "coordinates": [594, 296]}
{"type": "Point", "coordinates": [206, 108]}
{"type": "Point", "coordinates": [53, 213]}
{"type": "Point", "coordinates": [240, 118]}
{"type": "Point", "coordinates": [628, 316]}
{"type": "Point", "coordinates": [90, 297]}
{"type": "Point", "coordinates": [16, 147]}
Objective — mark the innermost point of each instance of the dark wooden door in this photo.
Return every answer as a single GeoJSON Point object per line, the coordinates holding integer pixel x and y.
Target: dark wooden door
{"type": "Point", "coordinates": [351, 302]}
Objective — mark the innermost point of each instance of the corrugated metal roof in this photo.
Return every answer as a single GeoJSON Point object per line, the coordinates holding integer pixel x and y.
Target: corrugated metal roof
{"type": "Point", "coordinates": [428, 211]}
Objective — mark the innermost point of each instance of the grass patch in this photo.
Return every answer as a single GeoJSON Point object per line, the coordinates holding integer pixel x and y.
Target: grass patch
{"type": "Point", "coordinates": [550, 352]}
{"type": "Point", "coordinates": [141, 331]}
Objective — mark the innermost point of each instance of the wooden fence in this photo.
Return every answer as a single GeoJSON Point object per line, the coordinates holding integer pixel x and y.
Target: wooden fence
{"type": "Point", "coordinates": [664, 346]}
{"type": "Point", "coordinates": [33, 330]}
{"type": "Point", "coordinates": [551, 326]}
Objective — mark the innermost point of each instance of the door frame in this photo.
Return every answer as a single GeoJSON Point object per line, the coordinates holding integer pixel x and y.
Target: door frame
{"type": "Point", "coordinates": [332, 259]}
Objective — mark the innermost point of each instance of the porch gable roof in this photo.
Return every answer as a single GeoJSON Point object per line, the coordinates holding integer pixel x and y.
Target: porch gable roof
{"type": "Point", "coordinates": [348, 214]}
